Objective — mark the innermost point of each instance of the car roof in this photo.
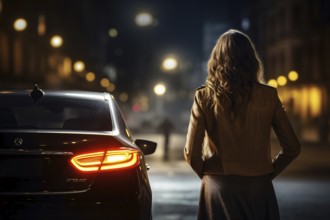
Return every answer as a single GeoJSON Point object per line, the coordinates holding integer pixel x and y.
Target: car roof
{"type": "Point", "coordinates": [63, 93]}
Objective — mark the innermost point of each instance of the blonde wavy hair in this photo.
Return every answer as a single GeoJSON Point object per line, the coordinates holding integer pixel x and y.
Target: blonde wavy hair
{"type": "Point", "coordinates": [234, 68]}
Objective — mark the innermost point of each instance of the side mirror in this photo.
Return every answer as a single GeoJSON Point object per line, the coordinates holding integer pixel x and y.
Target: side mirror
{"type": "Point", "coordinates": [147, 147]}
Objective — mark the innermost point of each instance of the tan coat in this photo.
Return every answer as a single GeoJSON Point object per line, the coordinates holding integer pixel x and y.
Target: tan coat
{"type": "Point", "coordinates": [215, 145]}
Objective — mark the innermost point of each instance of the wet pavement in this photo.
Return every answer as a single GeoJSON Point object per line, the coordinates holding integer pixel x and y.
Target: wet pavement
{"type": "Point", "coordinates": [303, 190]}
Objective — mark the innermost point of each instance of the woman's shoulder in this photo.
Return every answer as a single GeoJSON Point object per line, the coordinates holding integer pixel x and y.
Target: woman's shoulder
{"type": "Point", "coordinates": [264, 88]}
{"type": "Point", "coordinates": [202, 87]}
{"type": "Point", "coordinates": [201, 93]}
{"type": "Point", "coordinates": [200, 90]}
{"type": "Point", "coordinates": [265, 92]}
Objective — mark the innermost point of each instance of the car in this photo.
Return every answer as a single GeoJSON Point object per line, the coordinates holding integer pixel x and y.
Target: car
{"type": "Point", "coordinates": [70, 155]}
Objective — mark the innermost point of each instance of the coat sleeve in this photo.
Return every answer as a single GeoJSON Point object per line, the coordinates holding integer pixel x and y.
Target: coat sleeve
{"type": "Point", "coordinates": [288, 140]}
{"type": "Point", "coordinates": [195, 137]}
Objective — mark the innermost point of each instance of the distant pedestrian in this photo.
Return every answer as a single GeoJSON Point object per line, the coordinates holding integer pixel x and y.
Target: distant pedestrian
{"type": "Point", "coordinates": [166, 128]}
{"type": "Point", "coordinates": [228, 140]}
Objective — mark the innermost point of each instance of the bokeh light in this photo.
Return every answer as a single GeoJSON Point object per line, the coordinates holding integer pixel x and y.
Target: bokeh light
{"type": "Point", "coordinates": [123, 97]}
{"type": "Point", "coordinates": [111, 87]}
{"type": "Point", "coordinates": [79, 66]}
{"type": "Point", "coordinates": [169, 63]}
{"type": "Point", "coordinates": [104, 82]}
{"type": "Point", "coordinates": [273, 83]}
{"type": "Point", "coordinates": [113, 33]}
{"type": "Point", "coordinates": [281, 80]}
{"type": "Point", "coordinates": [90, 77]}
{"type": "Point", "coordinates": [136, 107]}
{"type": "Point", "coordinates": [56, 41]}
{"type": "Point", "coordinates": [160, 89]}
{"type": "Point", "coordinates": [293, 76]}
{"type": "Point", "coordinates": [143, 19]}
{"type": "Point", "coordinates": [20, 24]}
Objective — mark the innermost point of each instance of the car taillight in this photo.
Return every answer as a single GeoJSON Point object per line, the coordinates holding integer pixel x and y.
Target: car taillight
{"type": "Point", "coordinates": [109, 160]}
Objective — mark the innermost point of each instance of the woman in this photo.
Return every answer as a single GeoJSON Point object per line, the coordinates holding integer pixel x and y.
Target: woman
{"type": "Point", "coordinates": [228, 140]}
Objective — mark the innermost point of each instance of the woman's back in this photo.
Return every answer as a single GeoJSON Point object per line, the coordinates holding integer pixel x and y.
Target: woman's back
{"type": "Point", "coordinates": [241, 146]}
{"type": "Point", "coordinates": [228, 139]}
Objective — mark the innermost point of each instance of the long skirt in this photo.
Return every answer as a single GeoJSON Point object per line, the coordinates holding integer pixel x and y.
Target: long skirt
{"type": "Point", "coordinates": [237, 198]}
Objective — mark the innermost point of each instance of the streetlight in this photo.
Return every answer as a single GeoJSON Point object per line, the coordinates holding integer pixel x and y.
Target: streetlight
{"type": "Point", "coordinates": [160, 90]}
{"type": "Point", "coordinates": [104, 82]}
{"type": "Point", "coordinates": [281, 80]}
{"type": "Point", "coordinates": [79, 66]}
{"type": "Point", "coordinates": [56, 41]}
{"type": "Point", "coordinates": [144, 19]}
{"type": "Point", "coordinates": [111, 87]}
{"type": "Point", "coordinates": [169, 64]}
{"type": "Point", "coordinates": [20, 24]}
{"type": "Point", "coordinates": [123, 97]}
{"type": "Point", "coordinates": [113, 33]}
{"type": "Point", "coordinates": [293, 76]}
{"type": "Point", "coordinates": [245, 24]}
{"type": "Point", "coordinates": [90, 77]}
{"type": "Point", "coordinates": [273, 83]}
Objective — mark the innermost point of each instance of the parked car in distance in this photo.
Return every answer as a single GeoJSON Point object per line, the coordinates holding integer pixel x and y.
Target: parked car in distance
{"type": "Point", "coordinates": [70, 155]}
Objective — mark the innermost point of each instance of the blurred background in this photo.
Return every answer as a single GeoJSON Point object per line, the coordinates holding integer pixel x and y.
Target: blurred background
{"type": "Point", "coordinates": [151, 55]}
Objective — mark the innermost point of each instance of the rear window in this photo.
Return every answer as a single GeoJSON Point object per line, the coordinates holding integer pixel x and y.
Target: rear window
{"type": "Point", "coordinates": [54, 113]}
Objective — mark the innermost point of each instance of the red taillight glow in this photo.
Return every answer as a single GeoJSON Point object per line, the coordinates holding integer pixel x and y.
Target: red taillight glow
{"type": "Point", "coordinates": [112, 160]}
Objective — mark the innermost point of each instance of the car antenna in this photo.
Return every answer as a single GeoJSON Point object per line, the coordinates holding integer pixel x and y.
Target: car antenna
{"type": "Point", "coordinates": [36, 93]}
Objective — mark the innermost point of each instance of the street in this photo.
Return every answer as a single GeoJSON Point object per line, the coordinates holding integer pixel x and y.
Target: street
{"type": "Point", "coordinates": [303, 190]}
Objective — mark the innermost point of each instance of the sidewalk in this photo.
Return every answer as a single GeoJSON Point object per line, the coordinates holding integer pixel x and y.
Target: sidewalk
{"type": "Point", "coordinates": [313, 162]}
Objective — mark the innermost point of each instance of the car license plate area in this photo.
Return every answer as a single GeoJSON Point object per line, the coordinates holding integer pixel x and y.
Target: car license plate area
{"type": "Point", "coordinates": [21, 168]}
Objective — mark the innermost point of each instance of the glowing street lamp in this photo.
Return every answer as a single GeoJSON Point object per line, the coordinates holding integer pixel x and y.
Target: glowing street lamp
{"type": "Point", "coordinates": [144, 19]}
{"type": "Point", "coordinates": [111, 87]}
{"type": "Point", "coordinates": [169, 64]}
{"type": "Point", "coordinates": [79, 66]}
{"type": "Point", "coordinates": [20, 24]}
{"type": "Point", "coordinates": [273, 83]}
{"type": "Point", "coordinates": [56, 41]}
{"type": "Point", "coordinates": [113, 33]}
{"type": "Point", "coordinates": [123, 97]}
{"type": "Point", "coordinates": [293, 76]}
{"type": "Point", "coordinates": [160, 89]}
{"type": "Point", "coordinates": [281, 80]}
{"type": "Point", "coordinates": [90, 77]}
{"type": "Point", "coordinates": [104, 82]}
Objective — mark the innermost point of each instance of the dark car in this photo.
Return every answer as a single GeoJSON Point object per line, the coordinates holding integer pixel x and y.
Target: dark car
{"type": "Point", "coordinates": [69, 155]}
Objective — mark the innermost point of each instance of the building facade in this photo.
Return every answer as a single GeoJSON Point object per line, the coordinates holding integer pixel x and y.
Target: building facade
{"type": "Point", "coordinates": [27, 53]}
{"type": "Point", "coordinates": [293, 37]}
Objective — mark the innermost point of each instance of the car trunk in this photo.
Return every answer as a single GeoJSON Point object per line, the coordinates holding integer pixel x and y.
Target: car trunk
{"type": "Point", "coordinates": [40, 163]}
